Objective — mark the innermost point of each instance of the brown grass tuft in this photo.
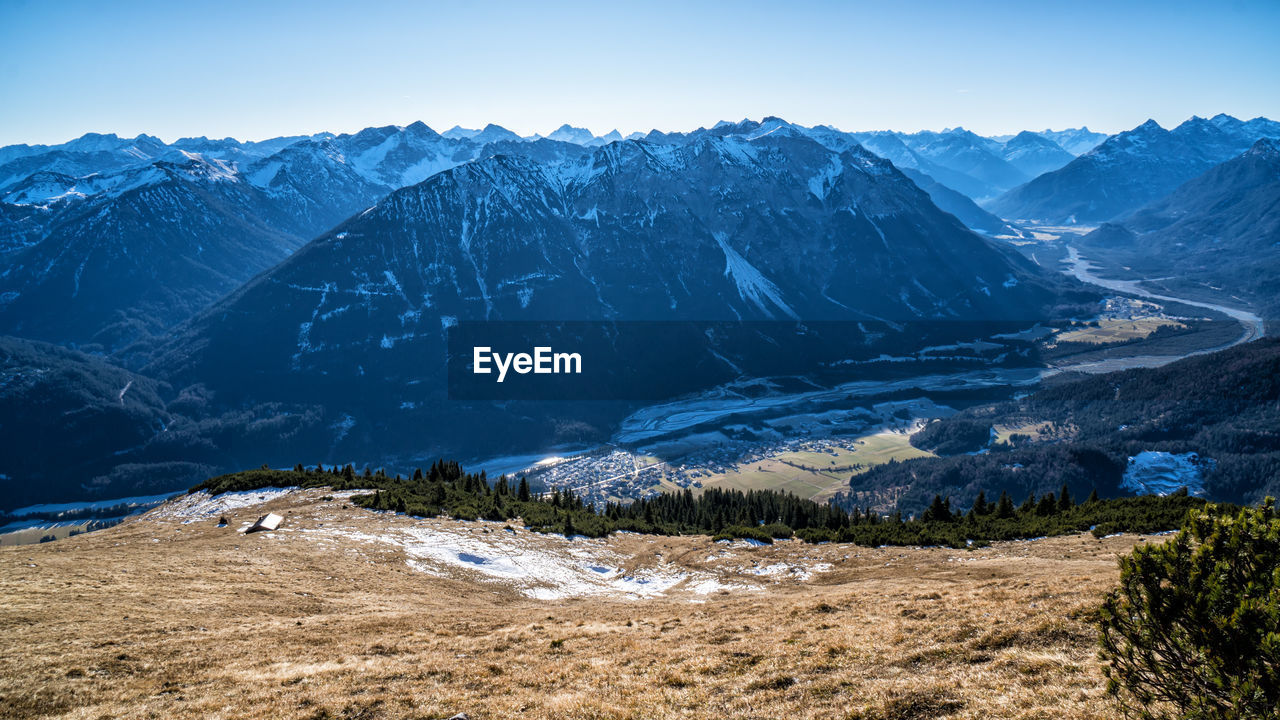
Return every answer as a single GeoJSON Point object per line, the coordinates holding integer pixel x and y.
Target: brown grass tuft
{"type": "Point", "coordinates": [922, 704]}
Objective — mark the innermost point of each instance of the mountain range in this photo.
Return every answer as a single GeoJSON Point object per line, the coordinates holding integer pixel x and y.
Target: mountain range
{"type": "Point", "coordinates": [108, 258]}
{"type": "Point", "coordinates": [1033, 154]}
{"type": "Point", "coordinates": [1130, 170]}
{"type": "Point", "coordinates": [1220, 229]}
{"type": "Point", "coordinates": [228, 210]}
{"type": "Point", "coordinates": [1076, 141]}
{"type": "Point", "coordinates": [292, 298]}
{"type": "Point", "coordinates": [157, 245]}
{"type": "Point", "coordinates": [337, 351]}
{"type": "Point", "coordinates": [722, 227]}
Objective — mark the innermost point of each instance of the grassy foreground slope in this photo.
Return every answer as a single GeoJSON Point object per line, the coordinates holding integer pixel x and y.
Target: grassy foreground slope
{"type": "Point", "coordinates": [165, 618]}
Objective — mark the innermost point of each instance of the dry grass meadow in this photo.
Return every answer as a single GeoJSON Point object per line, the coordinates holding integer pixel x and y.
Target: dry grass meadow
{"type": "Point", "coordinates": [159, 619]}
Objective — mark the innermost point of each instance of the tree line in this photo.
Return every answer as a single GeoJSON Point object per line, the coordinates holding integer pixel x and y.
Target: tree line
{"type": "Point", "coordinates": [446, 490]}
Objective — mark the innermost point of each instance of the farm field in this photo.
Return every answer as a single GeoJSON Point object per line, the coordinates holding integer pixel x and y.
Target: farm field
{"type": "Point", "coordinates": [1114, 330]}
{"type": "Point", "coordinates": [819, 475]}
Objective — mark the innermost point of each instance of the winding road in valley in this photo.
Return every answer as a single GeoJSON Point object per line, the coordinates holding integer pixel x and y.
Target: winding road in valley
{"type": "Point", "coordinates": [687, 414]}
{"type": "Point", "coordinates": [1083, 270]}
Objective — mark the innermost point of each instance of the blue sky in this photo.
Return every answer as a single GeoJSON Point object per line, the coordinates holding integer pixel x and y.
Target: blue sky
{"type": "Point", "coordinates": [259, 69]}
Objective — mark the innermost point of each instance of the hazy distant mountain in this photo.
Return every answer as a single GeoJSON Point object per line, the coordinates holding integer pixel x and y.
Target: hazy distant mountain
{"type": "Point", "coordinates": [457, 132]}
{"type": "Point", "coordinates": [568, 133]}
{"type": "Point", "coordinates": [978, 167]}
{"type": "Point", "coordinates": [959, 204]}
{"type": "Point", "coordinates": [1221, 228]}
{"type": "Point", "coordinates": [1076, 141]}
{"type": "Point", "coordinates": [96, 153]}
{"type": "Point", "coordinates": [1131, 169]}
{"type": "Point", "coordinates": [890, 145]}
{"type": "Point", "coordinates": [962, 151]}
{"type": "Point", "coordinates": [582, 136]}
{"type": "Point", "coordinates": [230, 148]}
{"type": "Point", "coordinates": [494, 133]}
{"type": "Point", "coordinates": [712, 228]}
{"type": "Point", "coordinates": [1034, 154]}
{"type": "Point", "coordinates": [87, 154]}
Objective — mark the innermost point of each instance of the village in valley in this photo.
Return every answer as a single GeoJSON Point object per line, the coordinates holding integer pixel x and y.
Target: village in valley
{"type": "Point", "coordinates": [814, 468]}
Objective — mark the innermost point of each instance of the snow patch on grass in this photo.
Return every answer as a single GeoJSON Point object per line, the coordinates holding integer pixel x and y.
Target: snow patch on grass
{"type": "Point", "coordinates": [201, 505]}
{"type": "Point", "coordinates": [543, 567]}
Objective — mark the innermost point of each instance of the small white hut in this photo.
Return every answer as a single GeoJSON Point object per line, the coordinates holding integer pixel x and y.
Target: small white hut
{"type": "Point", "coordinates": [267, 522]}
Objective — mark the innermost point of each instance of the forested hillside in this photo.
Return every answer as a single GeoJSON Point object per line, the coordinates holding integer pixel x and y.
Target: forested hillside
{"type": "Point", "coordinates": [1224, 407]}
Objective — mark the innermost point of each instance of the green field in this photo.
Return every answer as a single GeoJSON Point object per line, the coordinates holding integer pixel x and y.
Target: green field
{"type": "Point", "coordinates": [1031, 429]}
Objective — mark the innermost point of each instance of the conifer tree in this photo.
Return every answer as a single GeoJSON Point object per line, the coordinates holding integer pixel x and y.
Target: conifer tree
{"type": "Point", "coordinates": [1047, 506]}
{"type": "Point", "coordinates": [939, 510]}
{"type": "Point", "coordinates": [1004, 506]}
{"type": "Point", "coordinates": [980, 506]}
{"type": "Point", "coordinates": [1193, 631]}
{"type": "Point", "coordinates": [1029, 504]}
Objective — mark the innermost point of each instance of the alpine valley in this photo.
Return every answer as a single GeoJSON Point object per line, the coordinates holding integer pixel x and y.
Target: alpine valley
{"type": "Point", "coordinates": [176, 310]}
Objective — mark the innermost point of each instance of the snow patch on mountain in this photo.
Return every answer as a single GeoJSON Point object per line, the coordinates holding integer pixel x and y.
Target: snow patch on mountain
{"type": "Point", "coordinates": [1161, 473]}
{"type": "Point", "coordinates": [304, 328]}
{"type": "Point", "coordinates": [752, 285]}
{"type": "Point", "coordinates": [263, 176]}
{"type": "Point", "coordinates": [821, 183]}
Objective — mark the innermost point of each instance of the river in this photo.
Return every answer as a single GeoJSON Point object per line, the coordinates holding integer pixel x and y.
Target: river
{"type": "Point", "coordinates": [1083, 270]}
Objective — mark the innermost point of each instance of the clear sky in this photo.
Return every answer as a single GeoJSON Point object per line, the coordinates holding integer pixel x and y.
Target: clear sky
{"type": "Point", "coordinates": [258, 69]}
